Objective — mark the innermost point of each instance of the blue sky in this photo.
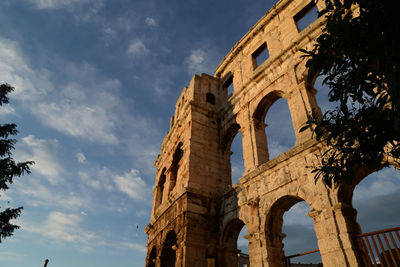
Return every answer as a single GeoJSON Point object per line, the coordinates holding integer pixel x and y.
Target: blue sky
{"type": "Point", "coordinates": [96, 82]}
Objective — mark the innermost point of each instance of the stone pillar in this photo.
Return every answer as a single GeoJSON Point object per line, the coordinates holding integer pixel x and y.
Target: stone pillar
{"type": "Point", "coordinates": [301, 104]}
{"type": "Point", "coordinates": [260, 148]}
{"type": "Point", "coordinates": [256, 249]}
{"type": "Point", "coordinates": [336, 231]}
{"type": "Point", "coordinates": [248, 148]}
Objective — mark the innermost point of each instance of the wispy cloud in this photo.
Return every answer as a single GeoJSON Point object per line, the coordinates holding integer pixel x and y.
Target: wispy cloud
{"type": "Point", "coordinates": [7, 110]}
{"type": "Point", "coordinates": [36, 194]}
{"type": "Point", "coordinates": [15, 70]}
{"type": "Point", "coordinates": [61, 227]}
{"type": "Point", "coordinates": [138, 247]}
{"type": "Point", "coordinates": [81, 9]}
{"type": "Point", "coordinates": [6, 255]}
{"type": "Point", "coordinates": [151, 22]}
{"type": "Point", "coordinates": [80, 157]}
{"type": "Point", "coordinates": [133, 185]}
{"type": "Point", "coordinates": [297, 215]}
{"type": "Point", "coordinates": [201, 60]}
{"type": "Point", "coordinates": [99, 180]}
{"type": "Point", "coordinates": [55, 4]}
{"type": "Point", "coordinates": [381, 183]}
{"type": "Point", "coordinates": [44, 153]}
{"type": "Point", "coordinates": [86, 108]}
{"type": "Point", "coordinates": [137, 48]}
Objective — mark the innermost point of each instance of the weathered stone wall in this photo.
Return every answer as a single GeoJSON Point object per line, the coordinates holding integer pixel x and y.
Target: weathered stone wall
{"type": "Point", "coordinates": [194, 200]}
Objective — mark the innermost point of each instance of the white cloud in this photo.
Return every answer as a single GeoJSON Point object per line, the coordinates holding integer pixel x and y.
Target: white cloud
{"type": "Point", "coordinates": [5, 255]}
{"type": "Point", "coordinates": [137, 48]}
{"type": "Point", "coordinates": [297, 215]}
{"type": "Point", "coordinates": [85, 108]}
{"type": "Point", "coordinates": [82, 10]}
{"type": "Point", "coordinates": [131, 184]}
{"type": "Point", "coordinates": [100, 181]}
{"type": "Point", "coordinates": [80, 157]}
{"type": "Point", "coordinates": [88, 106]}
{"type": "Point", "coordinates": [151, 22]}
{"type": "Point", "coordinates": [14, 69]}
{"type": "Point", "coordinates": [139, 247]}
{"type": "Point", "coordinates": [109, 35]}
{"type": "Point", "coordinates": [201, 61]}
{"type": "Point", "coordinates": [61, 227]}
{"type": "Point", "coordinates": [44, 154]}
{"type": "Point", "coordinates": [195, 62]}
{"type": "Point", "coordinates": [91, 122]}
{"type": "Point", "coordinates": [6, 110]}
{"type": "Point", "coordinates": [38, 195]}
{"type": "Point", "coordinates": [56, 4]}
{"type": "Point", "coordinates": [381, 183]}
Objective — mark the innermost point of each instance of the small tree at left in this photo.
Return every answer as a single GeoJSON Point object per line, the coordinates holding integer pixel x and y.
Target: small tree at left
{"type": "Point", "coordinates": [8, 168]}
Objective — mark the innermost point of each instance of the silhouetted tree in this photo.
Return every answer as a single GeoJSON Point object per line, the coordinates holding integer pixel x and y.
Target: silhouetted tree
{"type": "Point", "coordinates": [8, 167]}
{"type": "Point", "coordinates": [358, 54]}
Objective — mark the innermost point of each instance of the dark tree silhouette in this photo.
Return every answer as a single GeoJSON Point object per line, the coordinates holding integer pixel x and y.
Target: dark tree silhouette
{"type": "Point", "coordinates": [358, 54]}
{"type": "Point", "coordinates": [8, 167]}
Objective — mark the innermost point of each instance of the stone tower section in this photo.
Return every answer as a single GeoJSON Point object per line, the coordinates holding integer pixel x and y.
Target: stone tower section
{"type": "Point", "coordinates": [197, 213]}
{"type": "Point", "coordinates": [190, 176]}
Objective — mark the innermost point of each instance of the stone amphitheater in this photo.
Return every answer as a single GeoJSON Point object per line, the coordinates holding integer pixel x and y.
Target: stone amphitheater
{"type": "Point", "coordinates": [197, 213]}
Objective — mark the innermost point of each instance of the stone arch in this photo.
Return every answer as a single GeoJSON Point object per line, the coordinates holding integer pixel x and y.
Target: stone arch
{"type": "Point", "coordinates": [229, 238]}
{"type": "Point", "coordinates": [273, 227]}
{"type": "Point", "coordinates": [152, 258]}
{"type": "Point", "coordinates": [160, 187]}
{"type": "Point", "coordinates": [175, 166]}
{"type": "Point", "coordinates": [168, 253]}
{"type": "Point", "coordinates": [258, 118]}
{"type": "Point", "coordinates": [230, 134]}
{"type": "Point", "coordinates": [353, 225]}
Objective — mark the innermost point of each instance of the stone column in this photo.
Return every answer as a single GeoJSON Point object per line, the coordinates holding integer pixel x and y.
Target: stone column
{"type": "Point", "coordinates": [260, 148]}
{"type": "Point", "coordinates": [257, 250]}
{"type": "Point", "coordinates": [301, 103]}
{"type": "Point", "coordinates": [248, 148]}
{"type": "Point", "coordinates": [336, 231]}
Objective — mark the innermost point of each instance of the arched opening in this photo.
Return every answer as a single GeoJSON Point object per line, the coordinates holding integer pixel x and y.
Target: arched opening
{"type": "Point", "coordinates": [376, 199]}
{"type": "Point", "coordinates": [232, 148]}
{"type": "Point", "coordinates": [175, 167]}
{"type": "Point", "coordinates": [168, 253]}
{"type": "Point", "coordinates": [300, 236]}
{"type": "Point", "coordinates": [280, 244]}
{"type": "Point", "coordinates": [235, 244]}
{"type": "Point", "coordinates": [237, 162]}
{"type": "Point", "coordinates": [152, 258]}
{"type": "Point", "coordinates": [279, 128]}
{"type": "Point", "coordinates": [160, 188]}
{"type": "Point", "coordinates": [210, 98]}
{"type": "Point", "coordinates": [273, 127]}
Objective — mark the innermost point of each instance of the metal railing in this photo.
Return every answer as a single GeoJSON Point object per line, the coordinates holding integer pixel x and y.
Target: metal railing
{"type": "Point", "coordinates": [287, 262]}
{"type": "Point", "coordinates": [383, 254]}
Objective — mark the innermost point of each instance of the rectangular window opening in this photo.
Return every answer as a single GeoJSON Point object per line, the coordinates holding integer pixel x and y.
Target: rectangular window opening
{"type": "Point", "coordinates": [228, 85]}
{"type": "Point", "coordinates": [260, 55]}
{"type": "Point", "coordinates": [306, 16]}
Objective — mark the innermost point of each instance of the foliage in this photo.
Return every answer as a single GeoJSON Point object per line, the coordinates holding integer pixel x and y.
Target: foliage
{"type": "Point", "coordinates": [8, 167]}
{"type": "Point", "coordinates": [358, 54]}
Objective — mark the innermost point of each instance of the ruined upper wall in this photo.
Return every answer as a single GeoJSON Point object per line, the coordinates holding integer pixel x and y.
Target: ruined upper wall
{"type": "Point", "coordinates": [277, 30]}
